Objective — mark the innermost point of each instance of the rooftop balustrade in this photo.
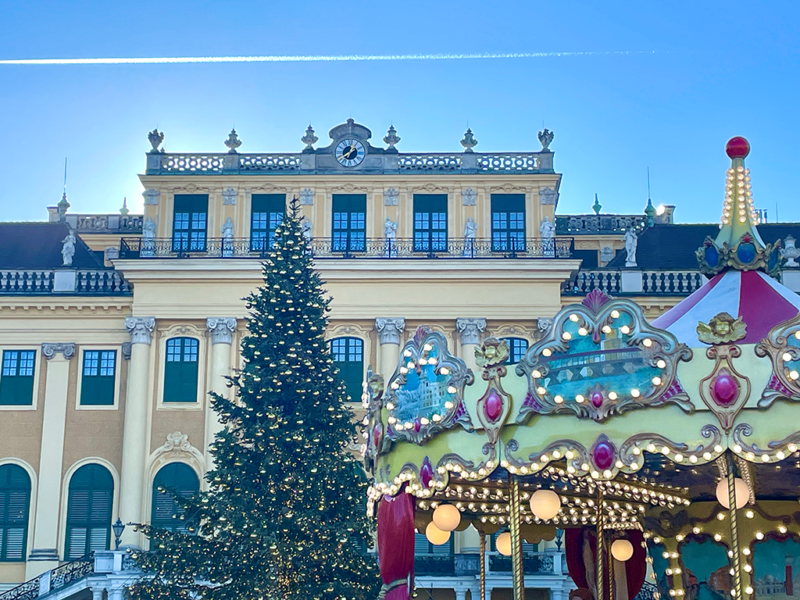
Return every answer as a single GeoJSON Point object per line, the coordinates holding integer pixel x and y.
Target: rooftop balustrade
{"type": "Point", "coordinates": [633, 281]}
{"type": "Point", "coordinates": [66, 281]}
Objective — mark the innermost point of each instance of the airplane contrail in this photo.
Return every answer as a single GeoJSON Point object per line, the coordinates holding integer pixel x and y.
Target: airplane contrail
{"type": "Point", "coordinates": [309, 58]}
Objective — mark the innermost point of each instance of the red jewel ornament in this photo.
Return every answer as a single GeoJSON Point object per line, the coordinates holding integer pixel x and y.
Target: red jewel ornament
{"type": "Point", "coordinates": [426, 473]}
{"type": "Point", "coordinates": [603, 455]}
{"type": "Point", "coordinates": [493, 407]}
{"type": "Point", "coordinates": [597, 399]}
{"type": "Point", "coordinates": [376, 435]}
{"type": "Point", "coordinates": [737, 147]}
{"type": "Point", "coordinates": [725, 389]}
{"type": "Point", "coordinates": [417, 425]}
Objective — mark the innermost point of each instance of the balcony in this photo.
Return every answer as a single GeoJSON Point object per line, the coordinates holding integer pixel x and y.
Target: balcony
{"type": "Point", "coordinates": [460, 565]}
{"type": "Point", "coordinates": [66, 281]}
{"type": "Point", "coordinates": [370, 248]}
{"type": "Point", "coordinates": [634, 281]}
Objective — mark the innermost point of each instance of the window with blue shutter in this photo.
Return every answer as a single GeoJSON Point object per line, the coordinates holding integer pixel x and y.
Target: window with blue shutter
{"type": "Point", "coordinates": [349, 223]}
{"type": "Point", "coordinates": [180, 371]}
{"type": "Point", "coordinates": [98, 376]}
{"type": "Point", "coordinates": [189, 223]}
{"type": "Point", "coordinates": [16, 378]}
{"type": "Point", "coordinates": [423, 547]}
{"type": "Point", "coordinates": [174, 477]}
{"type": "Point", "coordinates": [91, 496]}
{"type": "Point", "coordinates": [430, 222]}
{"type": "Point", "coordinates": [517, 348]}
{"type": "Point", "coordinates": [15, 501]}
{"type": "Point", "coordinates": [508, 222]}
{"type": "Point", "coordinates": [267, 213]}
{"type": "Point", "coordinates": [348, 356]}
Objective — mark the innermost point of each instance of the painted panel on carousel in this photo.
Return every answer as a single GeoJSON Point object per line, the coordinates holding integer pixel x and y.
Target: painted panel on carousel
{"type": "Point", "coordinates": [705, 569]}
{"type": "Point", "coordinates": [426, 393]}
{"type": "Point", "coordinates": [602, 358]}
{"type": "Point", "coordinates": [776, 569]}
{"type": "Point", "coordinates": [782, 346]}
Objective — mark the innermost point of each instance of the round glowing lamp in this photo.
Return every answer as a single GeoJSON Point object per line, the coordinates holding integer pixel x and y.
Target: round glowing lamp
{"type": "Point", "coordinates": [545, 504]}
{"type": "Point", "coordinates": [503, 543]}
{"type": "Point", "coordinates": [446, 517]}
{"type": "Point", "coordinates": [742, 492]}
{"type": "Point", "coordinates": [436, 536]}
{"type": "Point", "coordinates": [622, 550]}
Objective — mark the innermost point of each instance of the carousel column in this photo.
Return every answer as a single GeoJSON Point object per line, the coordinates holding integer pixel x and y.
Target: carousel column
{"type": "Point", "coordinates": [134, 440]}
{"type": "Point", "coordinates": [220, 330]}
{"type": "Point", "coordinates": [515, 518]}
{"type": "Point", "coordinates": [735, 548]}
{"type": "Point", "coordinates": [470, 330]}
{"type": "Point", "coordinates": [44, 554]}
{"type": "Point", "coordinates": [600, 547]}
{"type": "Point", "coordinates": [389, 330]}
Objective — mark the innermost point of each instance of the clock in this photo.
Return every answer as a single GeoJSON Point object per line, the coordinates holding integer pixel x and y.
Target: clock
{"type": "Point", "coordinates": [350, 153]}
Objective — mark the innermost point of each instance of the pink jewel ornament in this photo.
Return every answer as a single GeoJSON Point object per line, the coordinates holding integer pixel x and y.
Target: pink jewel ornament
{"type": "Point", "coordinates": [597, 399]}
{"type": "Point", "coordinates": [725, 389]}
{"type": "Point", "coordinates": [493, 407]}
{"type": "Point", "coordinates": [426, 473]}
{"type": "Point", "coordinates": [603, 455]}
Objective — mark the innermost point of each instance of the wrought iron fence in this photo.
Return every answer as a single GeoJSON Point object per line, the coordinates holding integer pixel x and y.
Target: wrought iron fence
{"type": "Point", "coordinates": [434, 565]}
{"type": "Point", "coordinates": [648, 592]}
{"type": "Point", "coordinates": [559, 247]}
{"type": "Point", "coordinates": [533, 563]}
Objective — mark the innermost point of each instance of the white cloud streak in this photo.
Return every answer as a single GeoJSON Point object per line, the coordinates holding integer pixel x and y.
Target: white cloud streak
{"type": "Point", "coordinates": [311, 58]}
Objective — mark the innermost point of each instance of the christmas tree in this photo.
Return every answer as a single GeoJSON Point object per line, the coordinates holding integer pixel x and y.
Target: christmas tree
{"type": "Point", "coordinates": [284, 514]}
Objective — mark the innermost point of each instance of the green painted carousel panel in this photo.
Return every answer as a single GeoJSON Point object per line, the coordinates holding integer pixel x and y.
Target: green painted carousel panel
{"type": "Point", "coordinates": [767, 436]}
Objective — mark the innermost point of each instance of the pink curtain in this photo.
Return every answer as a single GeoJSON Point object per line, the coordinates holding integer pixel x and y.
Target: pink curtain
{"type": "Point", "coordinates": [396, 544]}
{"type": "Point", "coordinates": [636, 567]}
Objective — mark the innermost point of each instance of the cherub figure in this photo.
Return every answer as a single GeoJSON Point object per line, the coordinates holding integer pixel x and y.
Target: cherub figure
{"type": "Point", "coordinates": [721, 329]}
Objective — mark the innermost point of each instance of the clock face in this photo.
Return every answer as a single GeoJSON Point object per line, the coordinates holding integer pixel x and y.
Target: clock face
{"type": "Point", "coordinates": [350, 153]}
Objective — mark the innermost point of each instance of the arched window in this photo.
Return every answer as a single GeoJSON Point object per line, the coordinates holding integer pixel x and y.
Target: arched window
{"type": "Point", "coordinates": [15, 501]}
{"type": "Point", "coordinates": [180, 372]}
{"type": "Point", "coordinates": [517, 348]}
{"type": "Point", "coordinates": [348, 356]}
{"type": "Point", "coordinates": [173, 477]}
{"type": "Point", "coordinates": [91, 495]}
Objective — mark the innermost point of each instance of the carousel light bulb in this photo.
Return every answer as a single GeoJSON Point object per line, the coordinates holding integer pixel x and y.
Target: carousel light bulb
{"type": "Point", "coordinates": [545, 504]}
{"type": "Point", "coordinates": [566, 335]}
{"type": "Point", "coordinates": [622, 550]}
{"type": "Point", "coordinates": [503, 543]}
{"type": "Point", "coordinates": [625, 329]}
{"type": "Point", "coordinates": [436, 536]}
{"type": "Point", "coordinates": [446, 517]}
{"type": "Point", "coordinates": [741, 493]}
{"type": "Point", "coordinates": [612, 395]}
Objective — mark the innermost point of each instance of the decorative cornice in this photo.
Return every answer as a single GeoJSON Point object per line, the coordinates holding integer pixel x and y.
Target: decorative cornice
{"type": "Point", "coordinates": [389, 329]}
{"type": "Point", "coordinates": [221, 329]}
{"type": "Point", "coordinates": [470, 330]}
{"type": "Point", "coordinates": [140, 328]}
{"type": "Point", "coordinates": [49, 350]}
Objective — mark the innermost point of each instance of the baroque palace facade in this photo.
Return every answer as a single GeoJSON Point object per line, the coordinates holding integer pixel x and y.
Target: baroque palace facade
{"type": "Point", "coordinates": [114, 327]}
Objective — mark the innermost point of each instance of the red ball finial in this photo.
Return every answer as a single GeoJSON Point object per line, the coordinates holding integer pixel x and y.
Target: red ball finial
{"type": "Point", "coordinates": [737, 147]}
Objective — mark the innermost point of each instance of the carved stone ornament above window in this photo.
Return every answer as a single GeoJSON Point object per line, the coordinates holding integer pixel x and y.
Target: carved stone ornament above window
{"type": "Point", "coordinates": [425, 394]}
{"type": "Point", "coordinates": [602, 358]}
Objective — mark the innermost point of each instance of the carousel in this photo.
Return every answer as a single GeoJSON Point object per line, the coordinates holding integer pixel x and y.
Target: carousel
{"type": "Point", "coordinates": [665, 449]}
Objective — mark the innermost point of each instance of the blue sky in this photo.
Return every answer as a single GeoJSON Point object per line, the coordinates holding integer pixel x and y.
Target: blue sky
{"type": "Point", "coordinates": [711, 70]}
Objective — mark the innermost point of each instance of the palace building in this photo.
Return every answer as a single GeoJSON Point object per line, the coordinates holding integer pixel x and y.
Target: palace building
{"type": "Point", "coordinates": [114, 327]}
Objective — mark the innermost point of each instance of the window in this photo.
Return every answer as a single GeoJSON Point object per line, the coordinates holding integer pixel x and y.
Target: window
{"type": "Point", "coordinates": [180, 372]}
{"type": "Point", "coordinates": [99, 372]}
{"type": "Point", "coordinates": [16, 378]}
{"type": "Point", "coordinates": [91, 494]}
{"type": "Point", "coordinates": [527, 548]}
{"type": "Point", "coordinates": [189, 223]}
{"type": "Point", "coordinates": [517, 348]}
{"type": "Point", "coordinates": [348, 356]}
{"type": "Point", "coordinates": [430, 222]}
{"type": "Point", "coordinates": [267, 213]}
{"type": "Point", "coordinates": [423, 546]}
{"type": "Point", "coordinates": [176, 477]}
{"type": "Point", "coordinates": [508, 222]}
{"type": "Point", "coordinates": [15, 501]}
{"type": "Point", "coordinates": [349, 223]}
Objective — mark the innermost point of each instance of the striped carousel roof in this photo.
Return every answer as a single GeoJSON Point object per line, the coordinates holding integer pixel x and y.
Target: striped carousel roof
{"type": "Point", "coordinates": [754, 296]}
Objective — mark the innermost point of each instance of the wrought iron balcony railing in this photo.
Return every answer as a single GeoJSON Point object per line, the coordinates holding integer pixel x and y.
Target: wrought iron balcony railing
{"type": "Point", "coordinates": [58, 578]}
{"type": "Point", "coordinates": [371, 248]}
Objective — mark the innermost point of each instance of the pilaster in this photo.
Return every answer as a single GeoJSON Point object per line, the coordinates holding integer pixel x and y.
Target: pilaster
{"type": "Point", "coordinates": [220, 332]}
{"type": "Point", "coordinates": [389, 330]}
{"type": "Point", "coordinates": [470, 331]}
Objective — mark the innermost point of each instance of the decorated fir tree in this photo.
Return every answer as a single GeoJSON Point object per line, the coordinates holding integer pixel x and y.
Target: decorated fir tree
{"type": "Point", "coordinates": [284, 516]}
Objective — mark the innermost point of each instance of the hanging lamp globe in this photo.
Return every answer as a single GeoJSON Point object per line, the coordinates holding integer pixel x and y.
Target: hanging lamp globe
{"type": "Point", "coordinates": [742, 492]}
{"type": "Point", "coordinates": [545, 504]}
{"type": "Point", "coordinates": [446, 517]}
{"type": "Point", "coordinates": [503, 543]}
{"type": "Point", "coordinates": [622, 550]}
{"type": "Point", "coordinates": [436, 536]}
